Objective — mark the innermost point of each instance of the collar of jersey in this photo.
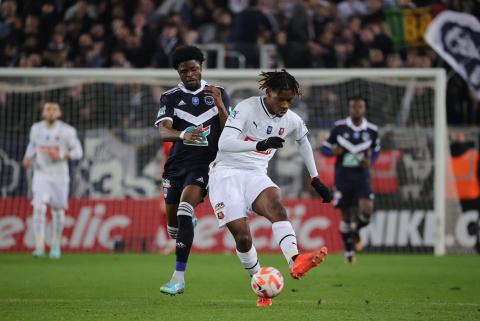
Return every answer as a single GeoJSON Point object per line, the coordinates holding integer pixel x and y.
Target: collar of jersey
{"type": "Point", "coordinates": [363, 125]}
{"type": "Point", "coordinates": [185, 90]}
{"type": "Point", "coordinates": [265, 108]}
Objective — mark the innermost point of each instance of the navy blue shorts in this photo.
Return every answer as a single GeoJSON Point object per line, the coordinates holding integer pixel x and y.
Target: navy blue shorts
{"type": "Point", "coordinates": [349, 191]}
{"type": "Point", "coordinates": [173, 185]}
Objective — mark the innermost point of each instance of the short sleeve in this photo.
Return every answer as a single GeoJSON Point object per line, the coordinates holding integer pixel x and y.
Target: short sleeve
{"type": "Point", "coordinates": [238, 117]}
{"type": "Point", "coordinates": [165, 111]}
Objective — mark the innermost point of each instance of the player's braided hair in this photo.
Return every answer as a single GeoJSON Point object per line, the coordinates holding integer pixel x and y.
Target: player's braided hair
{"type": "Point", "coordinates": [185, 53]}
{"type": "Point", "coordinates": [279, 80]}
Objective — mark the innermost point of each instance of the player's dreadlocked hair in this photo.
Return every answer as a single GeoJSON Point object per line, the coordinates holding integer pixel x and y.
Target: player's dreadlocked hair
{"type": "Point", "coordinates": [185, 53]}
{"type": "Point", "coordinates": [279, 80]}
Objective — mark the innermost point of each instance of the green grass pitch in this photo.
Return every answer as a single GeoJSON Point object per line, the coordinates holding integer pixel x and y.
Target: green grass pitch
{"type": "Point", "coordinates": [126, 287]}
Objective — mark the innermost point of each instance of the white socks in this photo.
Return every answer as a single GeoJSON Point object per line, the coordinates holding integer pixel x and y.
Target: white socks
{"type": "Point", "coordinates": [39, 213]}
{"type": "Point", "coordinates": [58, 221]}
{"type": "Point", "coordinates": [179, 276]}
{"type": "Point", "coordinates": [286, 239]}
{"type": "Point", "coordinates": [249, 261]}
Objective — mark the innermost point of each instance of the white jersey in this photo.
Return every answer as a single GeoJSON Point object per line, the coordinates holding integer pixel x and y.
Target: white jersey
{"type": "Point", "coordinates": [61, 137]}
{"type": "Point", "coordinates": [254, 123]}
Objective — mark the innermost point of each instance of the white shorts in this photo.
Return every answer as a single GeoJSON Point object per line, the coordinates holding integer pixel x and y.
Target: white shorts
{"type": "Point", "coordinates": [233, 191]}
{"type": "Point", "coordinates": [50, 192]}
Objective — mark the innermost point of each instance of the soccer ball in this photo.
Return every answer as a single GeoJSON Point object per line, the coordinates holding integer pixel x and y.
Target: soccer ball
{"type": "Point", "coordinates": [267, 283]}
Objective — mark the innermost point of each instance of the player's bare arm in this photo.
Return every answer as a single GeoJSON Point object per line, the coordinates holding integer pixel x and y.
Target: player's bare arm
{"type": "Point", "coordinates": [217, 98]}
{"type": "Point", "coordinates": [169, 134]}
{"type": "Point", "coordinates": [27, 162]}
{"type": "Point", "coordinates": [337, 150]}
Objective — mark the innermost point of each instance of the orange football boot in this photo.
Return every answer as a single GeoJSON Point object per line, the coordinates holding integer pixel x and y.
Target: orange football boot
{"type": "Point", "coordinates": [264, 302]}
{"type": "Point", "coordinates": [306, 261]}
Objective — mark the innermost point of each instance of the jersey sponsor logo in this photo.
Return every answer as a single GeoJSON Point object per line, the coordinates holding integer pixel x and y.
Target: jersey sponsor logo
{"type": "Point", "coordinates": [195, 101]}
{"type": "Point", "coordinates": [269, 129]}
{"type": "Point", "coordinates": [162, 111]}
{"type": "Point", "coordinates": [267, 152]}
{"type": "Point", "coordinates": [281, 131]}
{"type": "Point", "coordinates": [356, 135]}
{"type": "Point", "coordinates": [208, 100]}
{"type": "Point", "coordinates": [181, 103]}
{"type": "Point", "coordinates": [203, 140]}
{"type": "Point", "coordinates": [200, 179]}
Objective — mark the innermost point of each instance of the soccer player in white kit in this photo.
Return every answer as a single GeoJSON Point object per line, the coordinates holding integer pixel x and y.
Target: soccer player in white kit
{"type": "Point", "coordinates": [52, 143]}
{"type": "Point", "coordinates": [238, 177]}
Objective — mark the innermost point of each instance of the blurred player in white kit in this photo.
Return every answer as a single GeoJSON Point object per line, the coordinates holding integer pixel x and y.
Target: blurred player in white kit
{"type": "Point", "coordinates": [52, 143]}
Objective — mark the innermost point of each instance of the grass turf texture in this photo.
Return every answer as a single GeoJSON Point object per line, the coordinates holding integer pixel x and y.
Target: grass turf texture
{"type": "Point", "coordinates": [126, 287]}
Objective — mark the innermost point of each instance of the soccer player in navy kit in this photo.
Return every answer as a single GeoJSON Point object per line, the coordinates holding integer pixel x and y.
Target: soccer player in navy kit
{"type": "Point", "coordinates": [191, 115]}
{"type": "Point", "coordinates": [355, 143]}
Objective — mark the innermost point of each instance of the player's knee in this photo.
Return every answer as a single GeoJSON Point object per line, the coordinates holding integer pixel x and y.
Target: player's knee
{"type": "Point", "coordinates": [277, 212]}
{"type": "Point", "coordinates": [243, 242]}
{"type": "Point", "coordinates": [39, 210]}
{"type": "Point", "coordinates": [366, 209]}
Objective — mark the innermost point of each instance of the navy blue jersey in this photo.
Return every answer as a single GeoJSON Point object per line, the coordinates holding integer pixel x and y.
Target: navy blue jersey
{"type": "Point", "coordinates": [186, 109]}
{"type": "Point", "coordinates": [357, 142]}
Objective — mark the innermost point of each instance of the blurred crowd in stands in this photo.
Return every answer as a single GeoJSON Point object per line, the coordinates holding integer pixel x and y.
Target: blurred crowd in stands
{"type": "Point", "coordinates": [143, 33]}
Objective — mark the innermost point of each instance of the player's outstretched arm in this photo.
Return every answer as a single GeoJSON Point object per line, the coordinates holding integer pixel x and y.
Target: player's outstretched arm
{"type": "Point", "coordinates": [306, 151]}
{"type": "Point", "coordinates": [231, 142]}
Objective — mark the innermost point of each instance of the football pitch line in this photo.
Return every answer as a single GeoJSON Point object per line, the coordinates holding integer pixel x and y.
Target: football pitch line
{"type": "Point", "coordinates": [245, 301]}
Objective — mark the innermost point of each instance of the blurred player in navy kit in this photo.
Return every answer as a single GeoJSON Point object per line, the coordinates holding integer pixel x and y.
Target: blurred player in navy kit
{"type": "Point", "coordinates": [355, 143]}
{"type": "Point", "coordinates": [191, 115]}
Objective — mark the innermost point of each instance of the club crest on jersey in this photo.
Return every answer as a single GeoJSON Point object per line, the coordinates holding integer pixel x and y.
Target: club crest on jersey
{"type": "Point", "coordinates": [281, 131]}
{"type": "Point", "coordinates": [269, 129]}
{"type": "Point", "coordinates": [365, 136]}
{"type": "Point", "coordinates": [208, 100]}
{"type": "Point", "coordinates": [195, 101]}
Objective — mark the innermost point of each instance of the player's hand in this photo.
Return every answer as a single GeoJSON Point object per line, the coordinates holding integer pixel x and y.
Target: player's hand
{"type": "Point", "coordinates": [366, 159]}
{"type": "Point", "coordinates": [54, 154]}
{"type": "Point", "coordinates": [27, 162]}
{"type": "Point", "coordinates": [215, 93]}
{"type": "Point", "coordinates": [337, 150]}
{"type": "Point", "coordinates": [271, 142]}
{"type": "Point", "coordinates": [194, 136]}
{"type": "Point", "coordinates": [325, 192]}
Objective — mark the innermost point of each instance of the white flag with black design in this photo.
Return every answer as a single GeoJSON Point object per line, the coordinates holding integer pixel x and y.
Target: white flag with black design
{"type": "Point", "coordinates": [455, 37]}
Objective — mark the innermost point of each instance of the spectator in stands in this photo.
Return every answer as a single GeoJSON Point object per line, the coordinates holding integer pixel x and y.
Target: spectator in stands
{"type": "Point", "coordinates": [466, 170]}
{"type": "Point", "coordinates": [250, 28]}
{"type": "Point", "coordinates": [168, 40]}
{"type": "Point", "coordinates": [142, 33]}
